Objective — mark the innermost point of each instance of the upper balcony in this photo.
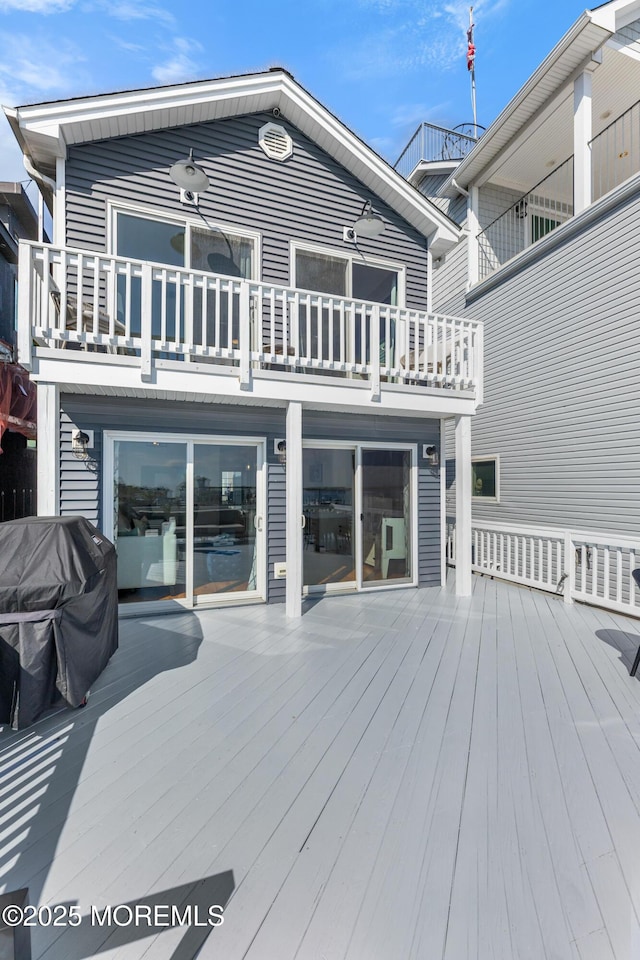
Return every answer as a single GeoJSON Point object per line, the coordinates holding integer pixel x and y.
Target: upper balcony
{"type": "Point", "coordinates": [93, 321]}
{"type": "Point", "coordinates": [614, 159]}
{"type": "Point", "coordinates": [433, 144]}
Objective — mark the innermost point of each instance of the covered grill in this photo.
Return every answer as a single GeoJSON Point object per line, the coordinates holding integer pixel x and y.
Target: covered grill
{"type": "Point", "coordinates": [58, 613]}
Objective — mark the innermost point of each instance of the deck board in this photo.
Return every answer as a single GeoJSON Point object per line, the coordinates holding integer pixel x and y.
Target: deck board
{"type": "Point", "coordinates": [404, 774]}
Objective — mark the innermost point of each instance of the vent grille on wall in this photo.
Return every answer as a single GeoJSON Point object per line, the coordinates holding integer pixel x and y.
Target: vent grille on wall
{"type": "Point", "coordinates": [275, 141]}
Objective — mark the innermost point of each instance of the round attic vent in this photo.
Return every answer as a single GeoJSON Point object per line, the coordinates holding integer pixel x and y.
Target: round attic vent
{"type": "Point", "coordinates": [275, 141]}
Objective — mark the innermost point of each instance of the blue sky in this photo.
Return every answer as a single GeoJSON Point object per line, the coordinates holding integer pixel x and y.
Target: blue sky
{"type": "Point", "coordinates": [379, 65]}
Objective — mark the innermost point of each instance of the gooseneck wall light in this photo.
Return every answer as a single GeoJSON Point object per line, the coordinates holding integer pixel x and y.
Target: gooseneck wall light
{"type": "Point", "coordinates": [369, 224]}
{"type": "Point", "coordinates": [191, 178]}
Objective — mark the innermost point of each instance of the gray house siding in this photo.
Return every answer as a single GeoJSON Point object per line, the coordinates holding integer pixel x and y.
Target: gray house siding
{"type": "Point", "coordinates": [454, 207]}
{"type": "Point", "coordinates": [562, 342]}
{"type": "Point", "coordinates": [308, 198]}
{"type": "Point", "coordinates": [81, 481]}
{"type": "Point", "coordinates": [449, 281]}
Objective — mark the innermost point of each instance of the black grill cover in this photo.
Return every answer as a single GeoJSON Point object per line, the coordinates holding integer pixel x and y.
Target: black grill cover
{"type": "Point", "coordinates": [58, 613]}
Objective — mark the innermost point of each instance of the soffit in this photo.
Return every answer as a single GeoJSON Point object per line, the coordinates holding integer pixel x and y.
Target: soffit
{"type": "Point", "coordinates": [542, 147]}
{"type": "Point", "coordinates": [46, 130]}
{"type": "Point", "coordinates": [584, 38]}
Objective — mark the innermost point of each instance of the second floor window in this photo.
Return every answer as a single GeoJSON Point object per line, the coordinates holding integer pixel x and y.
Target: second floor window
{"type": "Point", "coordinates": [214, 250]}
{"type": "Point", "coordinates": [344, 276]}
{"type": "Point", "coordinates": [212, 313]}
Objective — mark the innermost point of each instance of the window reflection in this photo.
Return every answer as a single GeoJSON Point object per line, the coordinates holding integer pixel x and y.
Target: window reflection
{"type": "Point", "coordinates": [149, 511]}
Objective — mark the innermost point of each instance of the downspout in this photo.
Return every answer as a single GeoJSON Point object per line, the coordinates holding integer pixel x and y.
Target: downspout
{"type": "Point", "coordinates": [465, 193]}
{"type": "Point", "coordinates": [42, 181]}
{"type": "Point", "coordinates": [37, 176]}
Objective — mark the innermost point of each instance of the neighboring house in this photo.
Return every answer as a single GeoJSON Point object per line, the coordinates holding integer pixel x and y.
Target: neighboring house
{"type": "Point", "coordinates": [240, 390]}
{"type": "Point", "coordinates": [18, 221]}
{"type": "Point", "coordinates": [549, 263]}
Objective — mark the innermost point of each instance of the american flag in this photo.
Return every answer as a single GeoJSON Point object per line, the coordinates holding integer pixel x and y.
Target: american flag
{"type": "Point", "coordinates": [471, 48]}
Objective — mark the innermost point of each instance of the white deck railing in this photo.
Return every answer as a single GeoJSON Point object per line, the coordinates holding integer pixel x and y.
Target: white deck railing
{"type": "Point", "coordinates": [529, 219]}
{"type": "Point", "coordinates": [596, 568]}
{"type": "Point", "coordinates": [615, 152]}
{"type": "Point", "coordinates": [128, 307]}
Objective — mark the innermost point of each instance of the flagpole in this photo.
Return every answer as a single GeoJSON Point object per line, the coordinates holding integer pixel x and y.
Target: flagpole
{"type": "Point", "coordinates": [471, 64]}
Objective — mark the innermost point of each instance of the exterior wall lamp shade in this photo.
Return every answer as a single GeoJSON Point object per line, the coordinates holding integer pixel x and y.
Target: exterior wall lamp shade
{"type": "Point", "coordinates": [189, 176]}
{"type": "Point", "coordinates": [368, 224]}
{"type": "Point", "coordinates": [432, 456]}
{"type": "Point", "coordinates": [80, 444]}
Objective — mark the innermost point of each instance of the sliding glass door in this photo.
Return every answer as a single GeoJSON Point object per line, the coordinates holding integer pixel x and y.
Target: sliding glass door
{"type": "Point", "coordinates": [329, 559]}
{"type": "Point", "coordinates": [187, 518]}
{"type": "Point", "coordinates": [359, 516]}
{"type": "Point", "coordinates": [225, 535]}
{"type": "Point", "coordinates": [149, 508]}
{"type": "Point", "coordinates": [386, 516]}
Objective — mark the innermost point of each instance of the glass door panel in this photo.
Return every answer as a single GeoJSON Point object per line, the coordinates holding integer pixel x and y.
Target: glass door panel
{"type": "Point", "coordinates": [149, 514]}
{"type": "Point", "coordinates": [225, 539]}
{"type": "Point", "coordinates": [328, 503]}
{"type": "Point", "coordinates": [386, 516]}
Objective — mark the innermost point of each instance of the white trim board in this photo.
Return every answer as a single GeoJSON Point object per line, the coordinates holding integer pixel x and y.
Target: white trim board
{"type": "Point", "coordinates": [44, 129]}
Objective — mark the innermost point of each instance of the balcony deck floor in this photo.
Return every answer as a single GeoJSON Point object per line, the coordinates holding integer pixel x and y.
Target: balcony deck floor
{"type": "Point", "coordinates": [400, 775]}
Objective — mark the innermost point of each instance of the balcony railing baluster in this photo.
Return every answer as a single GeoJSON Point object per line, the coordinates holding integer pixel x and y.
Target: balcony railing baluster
{"type": "Point", "coordinates": [432, 143]}
{"type": "Point", "coordinates": [615, 152]}
{"type": "Point", "coordinates": [136, 309]}
{"type": "Point", "coordinates": [533, 215]}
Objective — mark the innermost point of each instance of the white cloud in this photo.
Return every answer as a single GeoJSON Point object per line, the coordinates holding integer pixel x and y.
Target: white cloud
{"type": "Point", "coordinates": [32, 66]}
{"type": "Point", "coordinates": [382, 144]}
{"type": "Point", "coordinates": [37, 6]}
{"type": "Point", "coordinates": [128, 46]}
{"type": "Point", "coordinates": [136, 10]}
{"type": "Point", "coordinates": [12, 165]}
{"type": "Point", "coordinates": [179, 65]}
{"type": "Point", "coordinates": [413, 34]}
{"type": "Point", "coordinates": [410, 114]}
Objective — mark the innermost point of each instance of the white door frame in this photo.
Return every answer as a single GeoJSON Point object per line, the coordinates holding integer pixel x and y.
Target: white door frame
{"type": "Point", "coordinates": [357, 446]}
{"type": "Point", "coordinates": [190, 440]}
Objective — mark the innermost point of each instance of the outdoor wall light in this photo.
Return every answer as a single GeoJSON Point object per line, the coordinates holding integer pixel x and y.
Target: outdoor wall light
{"type": "Point", "coordinates": [80, 444]}
{"type": "Point", "coordinates": [368, 224]}
{"type": "Point", "coordinates": [432, 456]}
{"type": "Point", "coordinates": [191, 178]}
{"type": "Point", "coordinates": [521, 208]}
{"type": "Point", "coordinates": [280, 447]}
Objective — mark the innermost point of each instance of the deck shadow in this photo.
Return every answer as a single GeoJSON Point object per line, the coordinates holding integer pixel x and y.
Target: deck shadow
{"type": "Point", "coordinates": [626, 644]}
{"type": "Point", "coordinates": [41, 766]}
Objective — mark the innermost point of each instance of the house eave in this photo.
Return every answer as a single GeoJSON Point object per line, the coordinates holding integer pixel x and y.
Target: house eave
{"type": "Point", "coordinates": [587, 35]}
{"type": "Point", "coordinates": [46, 130]}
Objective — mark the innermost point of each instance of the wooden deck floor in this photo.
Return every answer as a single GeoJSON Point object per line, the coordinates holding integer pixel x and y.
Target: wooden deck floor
{"type": "Point", "coordinates": [399, 776]}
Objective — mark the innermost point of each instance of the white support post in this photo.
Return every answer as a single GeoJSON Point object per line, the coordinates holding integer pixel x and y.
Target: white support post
{"type": "Point", "coordinates": [59, 212]}
{"type": "Point", "coordinates": [581, 140]}
{"type": "Point", "coordinates": [26, 279]}
{"type": "Point", "coordinates": [48, 462]}
{"type": "Point", "coordinates": [443, 503]}
{"type": "Point", "coordinates": [569, 583]}
{"type": "Point", "coordinates": [294, 510]}
{"type": "Point", "coordinates": [463, 506]}
{"type": "Point", "coordinates": [473, 226]}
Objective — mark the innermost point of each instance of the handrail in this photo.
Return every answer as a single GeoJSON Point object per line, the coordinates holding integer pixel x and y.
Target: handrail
{"type": "Point", "coordinates": [528, 219]}
{"type": "Point", "coordinates": [593, 567]}
{"type": "Point", "coordinates": [615, 152]}
{"type": "Point", "coordinates": [433, 143]}
{"type": "Point", "coordinates": [155, 311]}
